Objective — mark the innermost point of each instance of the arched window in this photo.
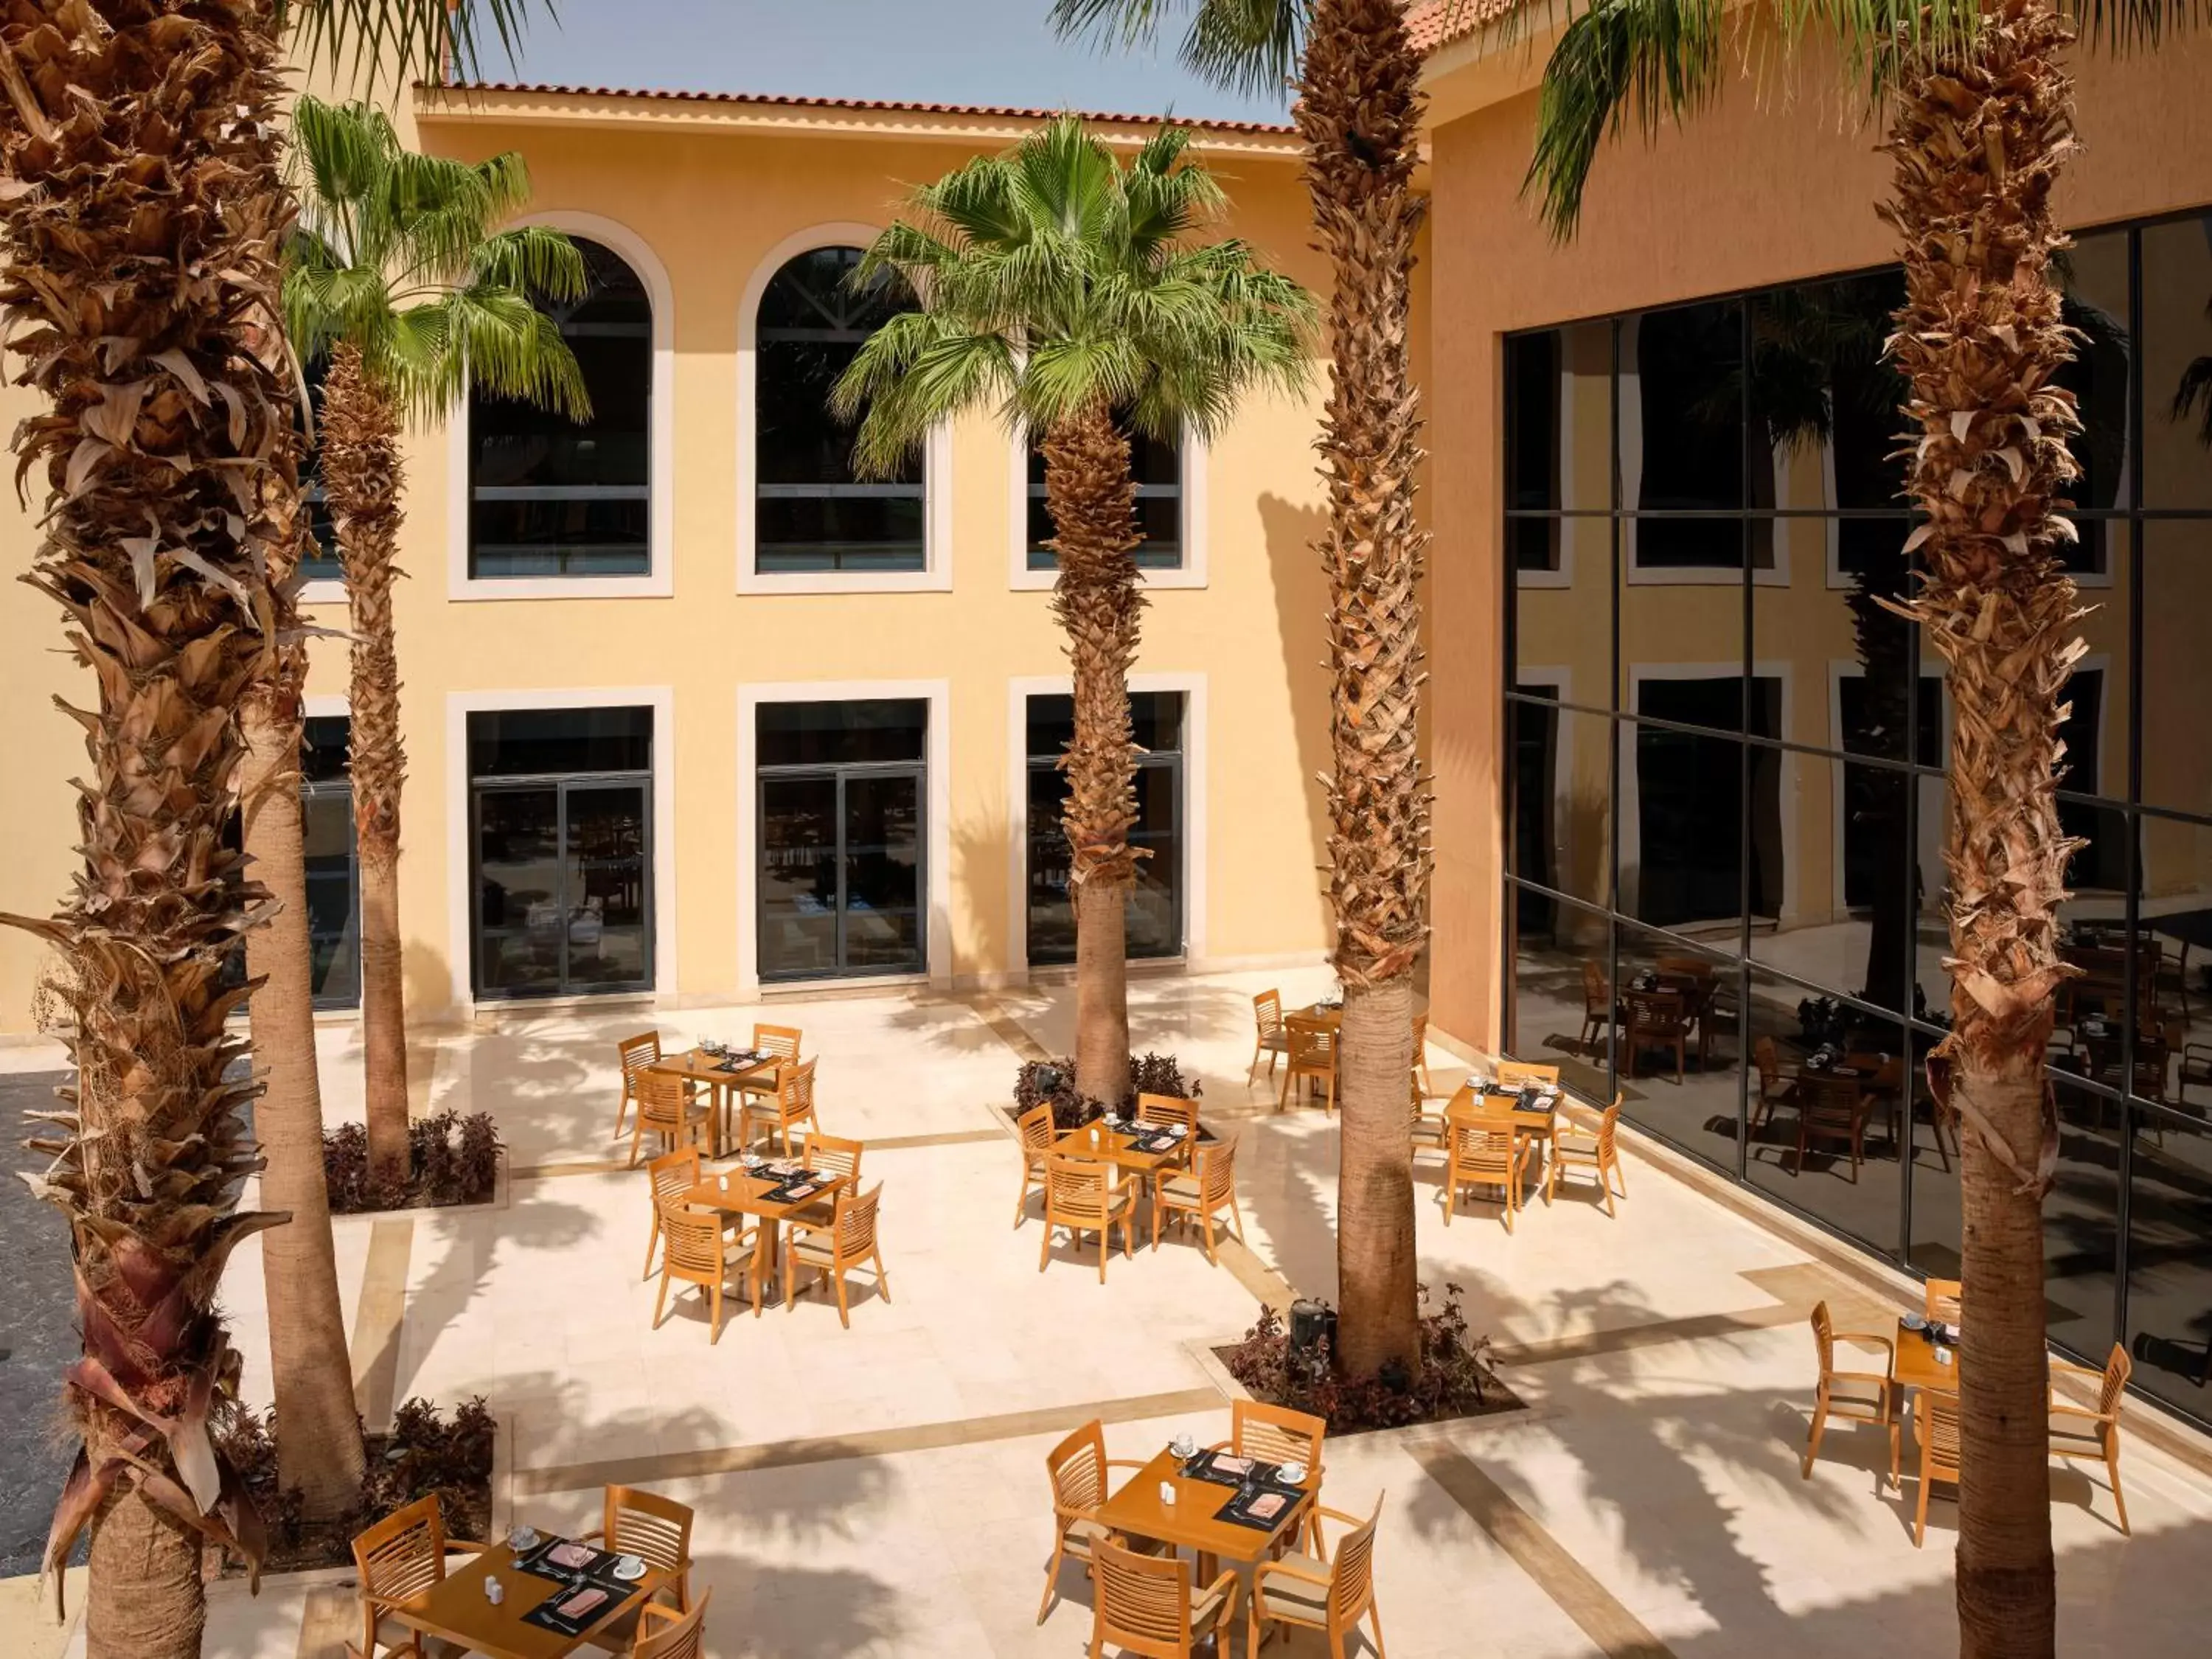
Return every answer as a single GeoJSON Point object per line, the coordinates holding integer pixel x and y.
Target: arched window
{"type": "Point", "coordinates": [812, 512]}
{"type": "Point", "coordinates": [550, 497]}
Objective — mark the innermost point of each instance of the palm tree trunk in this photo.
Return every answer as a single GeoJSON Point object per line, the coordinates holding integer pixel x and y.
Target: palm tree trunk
{"type": "Point", "coordinates": [1977, 145]}
{"type": "Point", "coordinates": [1358, 113]}
{"type": "Point", "coordinates": [1092, 494]}
{"type": "Point", "coordinates": [362, 480]}
{"type": "Point", "coordinates": [318, 1446]}
{"type": "Point", "coordinates": [138, 277]}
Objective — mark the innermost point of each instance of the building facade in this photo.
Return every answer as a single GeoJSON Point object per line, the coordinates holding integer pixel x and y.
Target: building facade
{"type": "Point", "coordinates": [692, 712]}
{"type": "Point", "coordinates": [1691, 794]}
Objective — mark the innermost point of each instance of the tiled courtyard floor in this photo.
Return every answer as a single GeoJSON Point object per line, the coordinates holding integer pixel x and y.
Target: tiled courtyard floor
{"type": "Point", "coordinates": [880, 1491]}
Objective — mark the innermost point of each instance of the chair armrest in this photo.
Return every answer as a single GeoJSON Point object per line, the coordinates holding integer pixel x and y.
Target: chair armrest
{"type": "Point", "coordinates": [1328, 1514]}
{"type": "Point", "coordinates": [1286, 1569]}
{"type": "Point", "coordinates": [464, 1546]}
{"type": "Point", "coordinates": [1869, 1340]}
{"type": "Point", "coordinates": [1127, 1462]}
{"type": "Point", "coordinates": [2059, 1409]}
{"type": "Point", "coordinates": [1227, 1581]}
{"type": "Point", "coordinates": [655, 1610]}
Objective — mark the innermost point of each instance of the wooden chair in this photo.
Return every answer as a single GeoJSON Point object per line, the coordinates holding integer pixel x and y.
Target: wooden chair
{"type": "Point", "coordinates": [1936, 1430]}
{"type": "Point", "coordinates": [685, 1639]}
{"type": "Point", "coordinates": [1420, 1079]}
{"type": "Point", "coordinates": [671, 1176]}
{"type": "Point", "coordinates": [780, 1043]}
{"type": "Point", "coordinates": [1425, 1129]}
{"type": "Point", "coordinates": [1275, 1434]}
{"type": "Point", "coordinates": [1145, 1605]}
{"type": "Point", "coordinates": [667, 1108]}
{"type": "Point", "coordinates": [1312, 1056]}
{"type": "Point", "coordinates": [1273, 1042]}
{"type": "Point", "coordinates": [1855, 1396]}
{"type": "Point", "coordinates": [1165, 1111]}
{"type": "Point", "coordinates": [1830, 1109]}
{"type": "Point", "coordinates": [1036, 1130]}
{"type": "Point", "coordinates": [1480, 1154]}
{"type": "Point", "coordinates": [696, 1248]}
{"type": "Point", "coordinates": [1940, 1299]}
{"type": "Point", "coordinates": [833, 1251]}
{"type": "Point", "coordinates": [1777, 1084]}
{"type": "Point", "coordinates": [635, 1054]}
{"type": "Point", "coordinates": [790, 1103]}
{"type": "Point", "coordinates": [1078, 1467]}
{"type": "Point", "coordinates": [1595, 1150]}
{"type": "Point", "coordinates": [829, 1155]}
{"type": "Point", "coordinates": [397, 1559]}
{"type": "Point", "coordinates": [1329, 1593]}
{"type": "Point", "coordinates": [1599, 1013]}
{"type": "Point", "coordinates": [1655, 1019]}
{"type": "Point", "coordinates": [1080, 1195]}
{"type": "Point", "coordinates": [1201, 1195]}
{"type": "Point", "coordinates": [658, 1531]}
{"type": "Point", "coordinates": [1519, 1073]}
{"type": "Point", "coordinates": [2078, 1431]}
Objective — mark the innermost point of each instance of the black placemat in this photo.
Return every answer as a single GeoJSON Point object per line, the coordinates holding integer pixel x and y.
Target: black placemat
{"type": "Point", "coordinates": [741, 1062]}
{"type": "Point", "coordinates": [781, 1193]}
{"type": "Point", "coordinates": [1238, 1509]}
{"type": "Point", "coordinates": [1201, 1468]}
{"type": "Point", "coordinates": [1157, 1141]}
{"type": "Point", "coordinates": [546, 1614]}
{"type": "Point", "coordinates": [534, 1562]}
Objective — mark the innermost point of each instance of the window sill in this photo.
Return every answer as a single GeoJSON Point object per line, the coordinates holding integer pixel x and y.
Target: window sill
{"type": "Point", "coordinates": [845, 581]}
{"type": "Point", "coordinates": [1025, 580]}
{"type": "Point", "coordinates": [323, 591]}
{"type": "Point", "coordinates": [655, 585]}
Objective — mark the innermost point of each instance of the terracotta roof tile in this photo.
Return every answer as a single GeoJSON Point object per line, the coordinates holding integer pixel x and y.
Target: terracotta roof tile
{"type": "Point", "coordinates": [784, 100]}
{"type": "Point", "coordinates": [1434, 23]}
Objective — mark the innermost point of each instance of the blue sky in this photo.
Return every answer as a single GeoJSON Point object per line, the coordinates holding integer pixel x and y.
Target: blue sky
{"type": "Point", "coordinates": [972, 52]}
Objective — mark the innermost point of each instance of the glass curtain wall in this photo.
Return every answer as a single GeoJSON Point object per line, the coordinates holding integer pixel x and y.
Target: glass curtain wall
{"type": "Point", "coordinates": [1155, 910]}
{"type": "Point", "coordinates": [1727, 804]}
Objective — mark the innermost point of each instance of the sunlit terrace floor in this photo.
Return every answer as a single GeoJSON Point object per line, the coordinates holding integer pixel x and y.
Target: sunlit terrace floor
{"type": "Point", "coordinates": [881, 1490]}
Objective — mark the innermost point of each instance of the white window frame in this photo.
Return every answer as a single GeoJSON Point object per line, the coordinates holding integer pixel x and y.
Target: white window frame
{"type": "Point", "coordinates": [1019, 690]}
{"type": "Point", "coordinates": [936, 574]}
{"type": "Point", "coordinates": [660, 581]}
{"type": "Point", "coordinates": [1194, 454]}
{"type": "Point", "coordinates": [937, 831]}
{"type": "Point", "coordinates": [459, 705]}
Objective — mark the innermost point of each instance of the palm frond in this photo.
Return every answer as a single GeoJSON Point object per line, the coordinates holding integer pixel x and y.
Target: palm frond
{"type": "Point", "coordinates": [2131, 25]}
{"type": "Point", "coordinates": [2195, 386]}
{"type": "Point", "coordinates": [405, 39]}
{"type": "Point", "coordinates": [1250, 46]}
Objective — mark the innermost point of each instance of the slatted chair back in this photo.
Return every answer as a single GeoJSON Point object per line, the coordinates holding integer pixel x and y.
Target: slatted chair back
{"type": "Point", "coordinates": [1609, 1130]}
{"type": "Point", "coordinates": [794, 1090]}
{"type": "Point", "coordinates": [2118, 1369]}
{"type": "Point", "coordinates": [780, 1041]}
{"type": "Point", "coordinates": [673, 1174]}
{"type": "Point", "coordinates": [1276, 1434]}
{"type": "Point", "coordinates": [1352, 1570]}
{"type": "Point", "coordinates": [1480, 1152]}
{"type": "Point", "coordinates": [855, 1227]}
{"type": "Point", "coordinates": [1216, 1173]}
{"type": "Point", "coordinates": [663, 1103]}
{"type": "Point", "coordinates": [656, 1529]}
{"type": "Point", "coordinates": [1078, 1467]}
{"type": "Point", "coordinates": [1165, 1111]}
{"type": "Point", "coordinates": [637, 1053]}
{"type": "Point", "coordinates": [1941, 1298]}
{"type": "Point", "coordinates": [1143, 1603]}
{"type": "Point", "coordinates": [1597, 995]}
{"type": "Point", "coordinates": [1514, 1074]}
{"type": "Point", "coordinates": [404, 1555]}
{"type": "Point", "coordinates": [1695, 968]}
{"type": "Point", "coordinates": [691, 1244]}
{"type": "Point", "coordinates": [1659, 1016]}
{"type": "Point", "coordinates": [1766, 1060]}
{"type": "Point", "coordinates": [1036, 1127]}
{"type": "Point", "coordinates": [1077, 1191]}
{"type": "Point", "coordinates": [1832, 1103]}
{"type": "Point", "coordinates": [1938, 1412]}
{"type": "Point", "coordinates": [684, 1636]}
{"type": "Point", "coordinates": [1313, 1043]}
{"type": "Point", "coordinates": [834, 1155]}
{"type": "Point", "coordinates": [1824, 1337]}
{"type": "Point", "coordinates": [1267, 1013]}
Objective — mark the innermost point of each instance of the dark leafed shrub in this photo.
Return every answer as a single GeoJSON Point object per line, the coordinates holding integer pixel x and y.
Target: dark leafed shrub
{"type": "Point", "coordinates": [345, 1166]}
{"type": "Point", "coordinates": [1458, 1377]}
{"type": "Point", "coordinates": [452, 1159]}
{"type": "Point", "coordinates": [1054, 1080]}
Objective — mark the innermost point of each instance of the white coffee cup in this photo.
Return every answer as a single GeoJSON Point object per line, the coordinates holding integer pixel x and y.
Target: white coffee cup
{"type": "Point", "coordinates": [1293, 1472]}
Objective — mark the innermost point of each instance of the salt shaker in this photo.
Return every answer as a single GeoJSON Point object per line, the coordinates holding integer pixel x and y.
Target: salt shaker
{"type": "Point", "coordinates": [1167, 1493]}
{"type": "Point", "coordinates": [494, 1592]}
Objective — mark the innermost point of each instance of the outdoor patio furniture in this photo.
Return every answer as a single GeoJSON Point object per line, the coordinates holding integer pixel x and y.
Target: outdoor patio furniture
{"type": "Point", "coordinates": [1481, 1152]}
{"type": "Point", "coordinates": [779, 1043]}
{"type": "Point", "coordinates": [1077, 1468]}
{"type": "Point", "coordinates": [1854, 1396]}
{"type": "Point", "coordinates": [1595, 1150]}
{"type": "Point", "coordinates": [1160, 1111]}
{"type": "Point", "coordinates": [1777, 1082]}
{"type": "Point", "coordinates": [1600, 1013]}
{"type": "Point", "coordinates": [1035, 1127]}
{"type": "Point", "coordinates": [1426, 1128]}
{"type": "Point", "coordinates": [830, 1155]}
{"type": "Point", "coordinates": [1833, 1109]}
{"type": "Point", "coordinates": [718, 1079]}
{"type": "Point", "coordinates": [1312, 1058]}
{"type": "Point", "coordinates": [700, 1248]}
{"type": "Point", "coordinates": [832, 1251]}
{"type": "Point", "coordinates": [1940, 1300]}
{"type": "Point", "coordinates": [1145, 1605]}
{"type": "Point", "coordinates": [658, 1531]}
{"type": "Point", "coordinates": [1520, 1073]}
{"type": "Point", "coordinates": [1277, 1434]}
{"type": "Point", "coordinates": [773, 1196]}
{"type": "Point", "coordinates": [398, 1559]}
{"type": "Point", "coordinates": [2196, 1068]}
{"type": "Point", "coordinates": [1081, 1195]}
{"type": "Point", "coordinates": [1195, 1520]}
{"type": "Point", "coordinates": [1936, 1431]}
{"type": "Point", "coordinates": [1201, 1195]}
{"type": "Point", "coordinates": [667, 1108]}
{"type": "Point", "coordinates": [1326, 1591]}
{"type": "Point", "coordinates": [635, 1054]}
{"type": "Point", "coordinates": [1655, 1019]}
{"type": "Point", "coordinates": [450, 1613]}
{"type": "Point", "coordinates": [684, 1637]}
{"type": "Point", "coordinates": [1274, 1040]}
{"type": "Point", "coordinates": [1420, 1079]}
{"type": "Point", "coordinates": [791, 1104]}
{"type": "Point", "coordinates": [668, 1177]}
{"type": "Point", "coordinates": [2080, 1432]}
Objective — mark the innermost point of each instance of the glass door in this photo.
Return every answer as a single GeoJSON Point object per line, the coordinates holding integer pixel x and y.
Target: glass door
{"type": "Point", "coordinates": [562, 888]}
{"type": "Point", "coordinates": [603, 840]}
{"type": "Point", "coordinates": [519, 891]}
{"type": "Point", "coordinates": [1154, 912]}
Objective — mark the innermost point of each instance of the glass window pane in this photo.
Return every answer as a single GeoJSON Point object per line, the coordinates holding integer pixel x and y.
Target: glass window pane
{"type": "Point", "coordinates": [798, 877]}
{"type": "Point", "coordinates": [542, 742]}
{"type": "Point", "coordinates": [605, 856]}
{"type": "Point", "coordinates": [322, 748]}
{"type": "Point", "coordinates": [2170, 1260]}
{"type": "Point", "coordinates": [2176, 332]}
{"type": "Point", "coordinates": [1678, 1044]}
{"type": "Point", "coordinates": [1154, 921]}
{"type": "Point", "coordinates": [1155, 720]}
{"type": "Point", "coordinates": [1822, 394]}
{"type": "Point", "coordinates": [319, 560]}
{"type": "Point", "coordinates": [2094, 272]}
{"type": "Point", "coordinates": [1682, 437]}
{"type": "Point", "coordinates": [554, 498]}
{"type": "Point", "coordinates": [883, 871]}
{"type": "Point", "coordinates": [842, 733]}
{"type": "Point", "coordinates": [1156, 467]}
{"type": "Point", "coordinates": [1841, 864]}
{"type": "Point", "coordinates": [333, 906]}
{"type": "Point", "coordinates": [1051, 905]}
{"type": "Point", "coordinates": [520, 919]}
{"type": "Point", "coordinates": [1562, 630]}
{"type": "Point", "coordinates": [1561, 991]}
{"type": "Point", "coordinates": [1154, 914]}
{"type": "Point", "coordinates": [1681, 847]}
{"type": "Point", "coordinates": [2175, 937]}
{"type": "Point", "coordinates": [1562, 798]}
{"type": "Point", "coordinates": [1827, 1137]}
{"type": "Point", "coordinates": [2177, 669]}
{"type": "Point", "coordinates": [2080, 1221]}
{"type": "Point", "coordinates": [1558, 434]}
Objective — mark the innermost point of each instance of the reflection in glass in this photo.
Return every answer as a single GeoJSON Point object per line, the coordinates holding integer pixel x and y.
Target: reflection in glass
{"type": "Point", "coordinates": [1853, 895]}
{"type": "Point", "coordinates": [550, 497]}
{"type": "Point", "coordinates": [522, 918]}
{"type": "Point", "coordinates": [541, 742]}
{"type": "Point", "coordinates": [2176, 679]}
{"type": "Point", "coordinates": [1561, 993]}
{"type": "Point", "coordinates": [1685, 452]}
{"type": "Point", "coordinates": [854, 733]}
{"type": "Point", "coordinates": [2094, 272]}
{"type": "Point", "coordinates": [604, 873]}
{"type": "Point", "coordinates": [2177, 351]}
{"type": "Point", "coordinates": [881, 854]}
{"type": "Point", "coordinates": [2081, 1231]}
{"type": "Point", "coordinates": [2170, 1260]}
{"type": "Point", "coordinates": [1681, 857]}
{"type": "Point", "coordinates": [799, 876]}
{"type": "Point", "coordinates": [1562, 798]}
{"type": "Point", "coordinates": [333, 907]}
{"type": "Point", "coordinates": [1154, 915]}
{"type": "Point", "coordinates": [1679, 1040]}
{"type": "Point", "coordinates": [1825, 395]}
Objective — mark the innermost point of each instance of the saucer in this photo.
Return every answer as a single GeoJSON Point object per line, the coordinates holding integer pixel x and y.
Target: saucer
{"type": "Point", "coordinates": [628, 1568]}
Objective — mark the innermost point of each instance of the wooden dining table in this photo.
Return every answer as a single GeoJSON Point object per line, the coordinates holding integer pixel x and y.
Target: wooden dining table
{"type": "Point", "coordinates": [1119, 1147]}
{"type": "Point", "coordinates": [735, 1192]}
{"type": "Point", "coordinates": [1194, 1521]}
{"type": "Point", "coordinates": [698, 1067]}
{"type": "Point", "coordinates": [455, 1609]}
{"type": "Point", "coordinates": [1916, 1366]}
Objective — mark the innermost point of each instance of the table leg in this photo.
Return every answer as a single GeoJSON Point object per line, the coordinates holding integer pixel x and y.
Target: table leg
{"type": "Point", "coordinates": [773, 1289]}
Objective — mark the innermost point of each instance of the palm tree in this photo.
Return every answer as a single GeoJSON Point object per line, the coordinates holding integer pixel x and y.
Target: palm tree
{"type": "Point", "coordinates": [1068, 293]}
{"type": "Point", "coordinates": [1358, 112]}
{"type": "Point", "coordinates": [396, 279]}
{"type": "Point", "coordinates": [139, 240]}
{"type": "Point", "coordinates": [1980, 105]}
